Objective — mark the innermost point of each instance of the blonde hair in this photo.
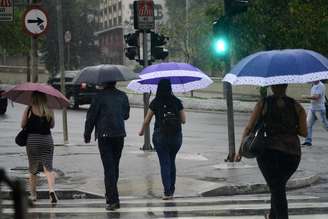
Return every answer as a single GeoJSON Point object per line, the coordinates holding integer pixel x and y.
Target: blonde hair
{"type": "Point", "coordinates": [40, 100]}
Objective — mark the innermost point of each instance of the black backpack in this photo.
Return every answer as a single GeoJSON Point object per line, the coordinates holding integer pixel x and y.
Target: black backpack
{"type": "Point", "coordinates": [169, 119]}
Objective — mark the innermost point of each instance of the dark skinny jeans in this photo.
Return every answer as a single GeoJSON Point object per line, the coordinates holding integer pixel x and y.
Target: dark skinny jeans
{"type": "Point", "coordinates": [277, 167]}
{"type": "Point", "coordinates": [167, 148]}
{"type": "Point", "coordinates": [110, 152]}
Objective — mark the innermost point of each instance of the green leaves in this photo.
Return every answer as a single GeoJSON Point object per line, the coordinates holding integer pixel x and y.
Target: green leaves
{"type": "Point", "coordinates": [12, 37]}
{"type": "Point", "coordinates": [269, 24]}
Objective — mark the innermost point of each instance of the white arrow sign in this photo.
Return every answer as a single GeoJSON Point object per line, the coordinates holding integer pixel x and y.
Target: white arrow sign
{"type": "Point", "coordinates": [35, 21]}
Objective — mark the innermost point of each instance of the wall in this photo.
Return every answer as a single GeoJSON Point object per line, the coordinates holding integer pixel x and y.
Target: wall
{"type": "Point", "coordinates": [18, 74]}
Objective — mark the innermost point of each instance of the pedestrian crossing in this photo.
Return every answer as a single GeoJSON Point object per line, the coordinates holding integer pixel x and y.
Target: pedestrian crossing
{"type": "Point", "coordinates": [230, 207]}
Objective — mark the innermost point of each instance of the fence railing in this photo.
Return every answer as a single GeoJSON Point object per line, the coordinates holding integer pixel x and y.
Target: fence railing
{"type": "Point", "coordinates": [18, 195]}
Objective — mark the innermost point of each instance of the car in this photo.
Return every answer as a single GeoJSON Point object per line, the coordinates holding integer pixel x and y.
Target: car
{"type": "Point", "coordinates": [3, 102]}
{"type": "Point", "coordinates": [77, 94]}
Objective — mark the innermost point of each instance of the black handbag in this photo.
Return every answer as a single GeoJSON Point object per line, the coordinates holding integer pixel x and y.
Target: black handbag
{"type": "Point", "coordinates": [21, 138]}
{"type": "Point", "coordinates": [254, 143]}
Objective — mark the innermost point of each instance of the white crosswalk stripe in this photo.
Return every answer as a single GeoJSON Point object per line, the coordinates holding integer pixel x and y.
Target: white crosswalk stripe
{"type": "Point", "coordinates": [229, 207]}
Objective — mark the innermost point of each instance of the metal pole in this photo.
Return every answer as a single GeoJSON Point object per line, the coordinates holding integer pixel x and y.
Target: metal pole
{"type": "Point", "coordinates": [68, 56]}
{"type": "Point", "coordinates": [34, 58]}
{"type": "Point", "coordinates": [28, 67]}
{"type": "Point", "coordinates": [230, 118]}
{"type": "Point", "coordinates": [228, 95]}
{"type": "Point", "coordinates": [61, 63]}
{"type": "Point", "coordinates": [187, 30]}
{"type": "Point", "coordinates": [188, 37]}
{"type": "Point", "coordinates": [147, 146]}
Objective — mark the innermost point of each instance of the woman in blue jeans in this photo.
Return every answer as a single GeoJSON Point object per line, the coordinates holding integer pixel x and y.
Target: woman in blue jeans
{"type": "Point", "coordinates": [167, 136]}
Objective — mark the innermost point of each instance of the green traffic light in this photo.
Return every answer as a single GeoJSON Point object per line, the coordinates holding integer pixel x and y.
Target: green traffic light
{"type": "Point", "coordinates": [220, 46]}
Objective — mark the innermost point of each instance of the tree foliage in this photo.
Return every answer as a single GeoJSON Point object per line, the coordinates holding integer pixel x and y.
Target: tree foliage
{"type": "Point", "coordinates": [12, 38]}
{"type": "Point", "coordinates": [78, 18]}
{"type": "Point", "coordinates": [267, 25]}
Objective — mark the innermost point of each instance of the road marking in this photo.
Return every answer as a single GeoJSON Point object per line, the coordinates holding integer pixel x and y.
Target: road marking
{"type": "Point", "coordinates": [201, 200]}
{"type": "Point", "coordinates": [170, 208]}
{"type": "Point", "coordinates": [312, 216]}
{"type": "Point", "coordinates": [183, 207]}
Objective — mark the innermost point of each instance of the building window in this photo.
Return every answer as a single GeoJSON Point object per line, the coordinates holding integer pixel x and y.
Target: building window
{"type": "Point", "coordinates": [119, 20]}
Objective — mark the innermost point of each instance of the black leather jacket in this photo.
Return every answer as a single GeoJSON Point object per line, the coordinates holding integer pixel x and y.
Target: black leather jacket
{"type": "Point", "coordinates": [107, 113]}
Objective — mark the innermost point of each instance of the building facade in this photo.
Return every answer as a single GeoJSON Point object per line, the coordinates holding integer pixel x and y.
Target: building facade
{"type": "Point", "coordinates": [116, 19]}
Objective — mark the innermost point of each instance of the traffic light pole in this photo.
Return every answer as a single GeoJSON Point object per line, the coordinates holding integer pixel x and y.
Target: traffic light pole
{"type": "Point", "coordinates": [228, 95]}
{"type": "Point", "coordinates": [230, 118]}
{"type": "Point", "coordinates": [147, 146]}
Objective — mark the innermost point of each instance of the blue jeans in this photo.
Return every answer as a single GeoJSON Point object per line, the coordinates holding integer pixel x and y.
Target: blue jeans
{"type": "Point", "coordinates": [312, 116]}
{"type": "Point", "coordinates": [167, 149]}
{"type": "Point", "coordinates": [110, 152]}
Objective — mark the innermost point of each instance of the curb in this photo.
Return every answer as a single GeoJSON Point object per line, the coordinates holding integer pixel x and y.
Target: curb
{"type": "Point", "coordinates": [204, 104]}
{"type": "Point", "coordinates": [259, 188]}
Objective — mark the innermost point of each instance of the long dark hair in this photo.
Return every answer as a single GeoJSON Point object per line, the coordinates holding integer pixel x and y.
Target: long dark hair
{"type": "Point", "coordinates": [164, 89]}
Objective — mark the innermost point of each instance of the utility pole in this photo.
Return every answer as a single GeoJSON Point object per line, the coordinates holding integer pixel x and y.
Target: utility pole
{"type": "Point", "coordinates": [34, 54]}
{"type": "Point", "coordinates": [188, 37]}
{"type": "Point", "coordinates": [147, 145]}
{"type": "Point", "coordinates": [61, 63]}
{"type": "Point", "coordinates": [34, 58]}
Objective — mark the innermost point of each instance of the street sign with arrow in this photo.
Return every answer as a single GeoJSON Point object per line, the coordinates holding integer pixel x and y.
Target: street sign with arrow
{"type": "Point", "coordinates": [35, 21]}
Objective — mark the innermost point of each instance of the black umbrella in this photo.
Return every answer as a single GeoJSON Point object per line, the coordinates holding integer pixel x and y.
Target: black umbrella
{"type": "Point", "coordinates": [101, 74]}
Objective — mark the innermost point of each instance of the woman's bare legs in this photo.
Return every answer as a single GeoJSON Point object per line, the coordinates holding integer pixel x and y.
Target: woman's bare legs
{"type": "Point", "coordinates": [50, 178]}
{"type": "Point", "coordinates": [33, 186]}
{"type": "Point", "coordinates": [51, 184]}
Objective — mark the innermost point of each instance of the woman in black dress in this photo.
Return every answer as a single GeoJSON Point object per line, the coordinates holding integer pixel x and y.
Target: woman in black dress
{"type": "Point", "coordinates": [38, 119]}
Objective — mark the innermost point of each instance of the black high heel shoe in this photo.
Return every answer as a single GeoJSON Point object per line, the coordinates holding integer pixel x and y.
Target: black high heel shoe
{"type": "Point", "coordinates": [53, 197]}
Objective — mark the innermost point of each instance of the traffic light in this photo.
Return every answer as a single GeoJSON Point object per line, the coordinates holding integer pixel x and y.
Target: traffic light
{"type": "Point", "coordinates": [221, 41]}
{"type": "Point", "coordinates": [157, 43]}
{"type": "Point", "coordinates": [233, 7]}
{"type": "Point", "coordinates": [132, 49]}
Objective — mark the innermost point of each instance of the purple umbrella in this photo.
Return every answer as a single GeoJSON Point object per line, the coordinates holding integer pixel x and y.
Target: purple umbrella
{"type": "Point", "coordinates": [22, 93]}
{"type": "Point", "coordinates": [184, 77]}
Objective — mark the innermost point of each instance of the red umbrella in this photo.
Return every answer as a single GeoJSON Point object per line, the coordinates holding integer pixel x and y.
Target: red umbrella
{"type": "Point", "coordinates": [22, 93]}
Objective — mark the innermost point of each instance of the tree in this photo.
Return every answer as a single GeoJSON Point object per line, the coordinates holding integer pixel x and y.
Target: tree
{"type": "Point", "coordinates": [12, 39]}
{"type": "Point", "coordinates": [79, 19]}
{"type": "Point", "coordinates": [269, 24]}
{"type": "Point", "coordinates": [194, 49]}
